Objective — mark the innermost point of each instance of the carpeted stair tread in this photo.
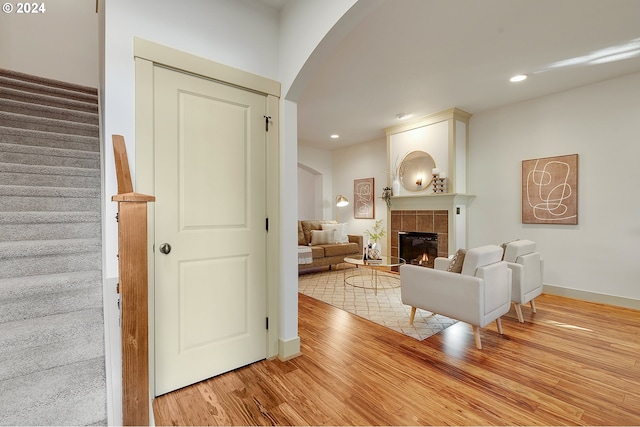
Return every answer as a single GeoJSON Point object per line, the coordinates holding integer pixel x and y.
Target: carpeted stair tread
{"type": "Point", "coordinates": [51, 348]}
{"type": "Point", "coordinates": [44, 89]}
{"type": "Point", "coordinates": [39, 296]}
{"type": "Point", "coordinates": [48, 151]}
{"type": "Point", "coordinates": [31, 248]}
{"type": "Point", "coordinates": [48, 170]}
{"type": "Point", "coordinates": [52, 101]}
{"type": "Point", "coordinates": [29, 155]}
{"type": "Point", "coordinates": [48, 139]}
{"type": "Point", "coordinates": [18, 226]}
{"type": "Point", "coordinates": [49, 217]}
{"type": "Point", "coordinates": [18, 287]}
{"type": "Point", "coordinates": [17, 198]}
{"type": "Point", "coordinates": [44, 111]}
{"type": "Point", "coordinates": [46, 330]}
{"type": "Point", "coordinates": [32, 191]}
{"type": "Point", "coordinates": [17, 75]}
{"type": "Point", "coordinates": [48, 125]}
{"type": "Point", "coordinates": [36, 179]}
{"type": "Point", "coordinates": [52, 353]}
{"type": "Point", "coordinates": [72, 394]}
{"type": "Point", "coordinates": [56, 228]}
{"type": "Point", "coordinates": [49, 264]}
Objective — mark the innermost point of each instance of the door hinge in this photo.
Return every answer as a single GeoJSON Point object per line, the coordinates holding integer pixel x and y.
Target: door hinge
{"type": "Point", "coordinates": [267, 324]}
{"type": "Point", "coordinates": [267, 224]}
{"type": "Point", "coordinates": [266, 122]}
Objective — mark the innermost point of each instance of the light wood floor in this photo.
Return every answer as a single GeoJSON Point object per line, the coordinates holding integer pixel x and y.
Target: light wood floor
{"type": "Point", "coordinates": [572, 363]}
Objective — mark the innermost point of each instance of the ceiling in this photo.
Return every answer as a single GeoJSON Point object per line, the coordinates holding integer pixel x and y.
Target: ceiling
{"type": "Point", "coordinates": [425, 56]}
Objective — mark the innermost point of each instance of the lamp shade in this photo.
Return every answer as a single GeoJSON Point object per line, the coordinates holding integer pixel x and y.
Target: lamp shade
{"type": "Point", "coordinates": [341, 201]}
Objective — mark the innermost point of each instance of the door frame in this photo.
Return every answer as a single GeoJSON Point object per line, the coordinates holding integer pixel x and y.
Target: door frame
{"type": "Point", "coordinates": [147, 55]}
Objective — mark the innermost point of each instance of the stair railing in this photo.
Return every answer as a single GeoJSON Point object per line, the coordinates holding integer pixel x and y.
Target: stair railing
{"type": "Point", "coordinates": [133, 289]}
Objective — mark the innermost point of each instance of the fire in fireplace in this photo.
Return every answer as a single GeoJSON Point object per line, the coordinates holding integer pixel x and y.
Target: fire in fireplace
{"type": "Point", "coordinates": [418, 248]}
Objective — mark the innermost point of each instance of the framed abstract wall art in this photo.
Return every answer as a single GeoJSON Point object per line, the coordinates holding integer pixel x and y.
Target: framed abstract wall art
{"type": "Point", "coordinates": [363, 191]}
{"type": "Point", "coordinates": [550, 190]}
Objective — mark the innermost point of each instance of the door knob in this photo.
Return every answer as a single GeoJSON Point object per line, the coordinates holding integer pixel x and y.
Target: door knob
{"type": "Point", "coordinates": [165, 248]}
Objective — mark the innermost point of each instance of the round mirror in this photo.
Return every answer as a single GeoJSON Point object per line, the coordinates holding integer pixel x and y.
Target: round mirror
{"type": "Point", "coordinates": [416, 171]}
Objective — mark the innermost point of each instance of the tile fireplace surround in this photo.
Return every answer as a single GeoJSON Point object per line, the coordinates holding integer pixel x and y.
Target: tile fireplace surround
{"type": "Point", "coordinates": [426, 221]}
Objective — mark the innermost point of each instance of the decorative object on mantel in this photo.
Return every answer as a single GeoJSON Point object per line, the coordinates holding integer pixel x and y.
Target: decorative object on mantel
{"type": "Point", "coordinates": [395, 186]}
{"type": "Point", "coordinates": [439, 185]}
{"type": "Point", "coordinates": [386, 196]}
{"type": "Point", "coordinates": [363, 205]}
{"type": "Point", "coordinates": [395, 180]}
{"type": "Point", "coordinates": [373, 249]}
{"type": "Point", "coordinates": [550, 190]}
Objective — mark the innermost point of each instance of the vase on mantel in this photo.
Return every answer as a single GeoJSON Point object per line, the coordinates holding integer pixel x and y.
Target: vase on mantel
{"type": "Point", "coordinates": [395, 186]}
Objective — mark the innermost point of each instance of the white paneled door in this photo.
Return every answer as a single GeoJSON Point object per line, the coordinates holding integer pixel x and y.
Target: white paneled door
{"type": "Point", "coordinates": [210, 234]}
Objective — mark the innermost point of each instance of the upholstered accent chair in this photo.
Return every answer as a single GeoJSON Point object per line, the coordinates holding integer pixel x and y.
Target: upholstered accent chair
{"type": "Point", "coordinates": [527, 268]}
{"type": "Point", "coordinates": [478, 295]}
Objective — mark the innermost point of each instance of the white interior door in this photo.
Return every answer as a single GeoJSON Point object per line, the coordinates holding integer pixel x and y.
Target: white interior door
{"type": "Point", "coordinates": [210, 289]}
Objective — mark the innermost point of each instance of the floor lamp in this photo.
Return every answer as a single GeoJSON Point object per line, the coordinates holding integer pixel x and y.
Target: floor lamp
{"type": "Point", "coordinates": [340, 202]}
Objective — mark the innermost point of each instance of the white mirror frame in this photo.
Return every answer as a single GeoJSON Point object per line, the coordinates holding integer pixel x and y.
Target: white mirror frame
{"type": "Point", "coordinates": [416, 171]}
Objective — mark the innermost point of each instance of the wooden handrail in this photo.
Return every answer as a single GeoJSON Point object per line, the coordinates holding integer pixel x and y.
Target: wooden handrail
{"type": "Point", "coordinates": [123, 174]}
{"type": "Point", "coordinates": [133, 289]}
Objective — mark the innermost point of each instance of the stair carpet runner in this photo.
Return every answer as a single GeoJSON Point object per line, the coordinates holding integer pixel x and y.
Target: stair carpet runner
{"type": "Point", "coordinates": [52, 355]}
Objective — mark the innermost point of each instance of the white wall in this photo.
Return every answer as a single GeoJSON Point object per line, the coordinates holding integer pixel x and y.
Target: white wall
{"type": "Point", "coordinates": [359, 161]}
{"type": "Point", "coordinates": [61, 43]}
{"type": "Point", "coordinates": [310, 190]}
{"type": "Point", "coordinates": [320, 161]}
{"type": "Point", "coordinates": [598, 122]}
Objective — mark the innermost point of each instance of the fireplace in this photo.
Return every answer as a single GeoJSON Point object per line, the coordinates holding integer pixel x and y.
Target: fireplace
{"type": "Point", "coordinates": [418, 248]}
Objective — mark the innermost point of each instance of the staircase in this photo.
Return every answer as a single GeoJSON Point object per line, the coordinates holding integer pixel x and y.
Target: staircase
{"type": "Point", "coordinates": [52, 356]}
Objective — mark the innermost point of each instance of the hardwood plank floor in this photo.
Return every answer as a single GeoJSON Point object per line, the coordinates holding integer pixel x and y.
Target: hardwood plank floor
{"type": "Point", "coordinates": [571, 363]}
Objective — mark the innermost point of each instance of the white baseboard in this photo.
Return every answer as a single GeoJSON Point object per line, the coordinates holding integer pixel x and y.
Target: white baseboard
{"type": "Point", "coordinates": [592, 296]}
{"type": "Point", "coordinates": [288, 349]}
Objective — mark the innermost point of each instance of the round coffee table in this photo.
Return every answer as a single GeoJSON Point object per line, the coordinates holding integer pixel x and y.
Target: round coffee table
{"type": "Point", "coordinates": [384, 263]}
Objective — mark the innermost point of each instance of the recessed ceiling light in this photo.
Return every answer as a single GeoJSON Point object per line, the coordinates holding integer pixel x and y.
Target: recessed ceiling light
{"type": "Point", "coordinates": [335, 136]}
{"type": "Point", "coordinates": [518, 78]}
{"type": "Point", "coordinates": [403, 116]}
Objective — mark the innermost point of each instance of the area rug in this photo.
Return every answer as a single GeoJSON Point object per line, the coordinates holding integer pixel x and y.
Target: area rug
{"type": "Point", "coordinates": [358, 297]}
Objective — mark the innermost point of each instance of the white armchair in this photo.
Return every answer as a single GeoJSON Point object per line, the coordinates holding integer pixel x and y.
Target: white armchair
{"type": "Point", "coordinates": [478, 295]}
{"type": "Point", "coordinates": [527, 269]}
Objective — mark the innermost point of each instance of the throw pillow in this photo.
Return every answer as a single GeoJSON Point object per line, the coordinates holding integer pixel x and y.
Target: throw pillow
{"type": "Point", "coordinates": [308, 225]}
{"type": "Point", "coordinates": [504, 247]}
{"type": "Point", "coordinates": [340, 232]}
{"type": "Point", "coordinates": [323, 237]}
{"type": "Point", "coordinates": [455, 266]}
{"type": "Point", "coordinates": [301, 239]}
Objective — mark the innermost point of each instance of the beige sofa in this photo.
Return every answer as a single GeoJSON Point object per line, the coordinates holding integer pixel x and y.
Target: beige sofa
{"type": "Point", "coordinates": [323, 251]}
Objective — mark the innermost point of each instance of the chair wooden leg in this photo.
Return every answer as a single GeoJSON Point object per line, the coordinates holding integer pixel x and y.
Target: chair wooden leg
{"type": "Point", "coordinates": [476, 335]}
{"type": "Point", "coordinates": [519, 312]}
{"type": "Point", "coordinates": [533, 305]}
{"type": "Point", "coordinates": [412, 316]}
{"type": "Point", "coordinates": [499, 325]}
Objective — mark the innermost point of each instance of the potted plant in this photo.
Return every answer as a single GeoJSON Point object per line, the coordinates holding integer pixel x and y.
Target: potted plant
{"type": "Point", "coordinates": [386, 196]}
{"type": "Point", "coordinates": [375, 235]}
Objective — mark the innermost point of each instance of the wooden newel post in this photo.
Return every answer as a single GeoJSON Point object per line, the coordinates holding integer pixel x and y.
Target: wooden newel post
{"type": "Point", "coordinates": [133, 289]}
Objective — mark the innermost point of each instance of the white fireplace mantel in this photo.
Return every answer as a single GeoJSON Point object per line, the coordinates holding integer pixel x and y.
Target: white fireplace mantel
{"type": "Point", "coordinates": [433, 201]}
